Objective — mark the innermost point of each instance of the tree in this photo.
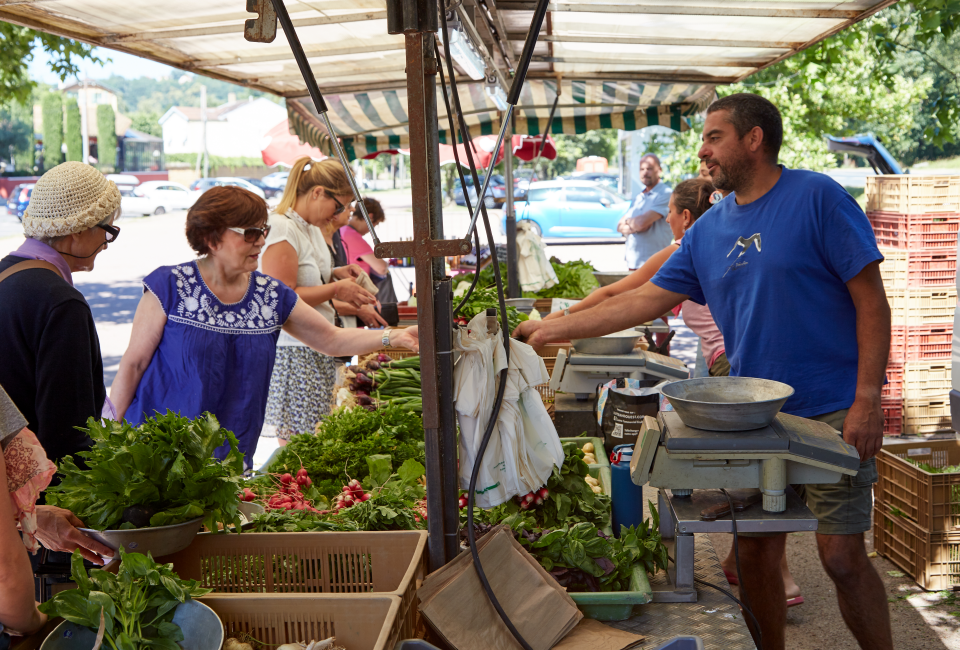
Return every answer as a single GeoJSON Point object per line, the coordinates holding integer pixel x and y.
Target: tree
{"type": "Point", "coordinates": [106, 137]}
{"type": "Point", "coordinates": [146, 122]}
{"type": "Point", "coordinates": [17, 45]}
{"type": "Point", "coordinates": [74, 137]}
{"type": "Point", "coordinates": [51, 108]}
{"type": "Point", "coordinates": [16, 131]}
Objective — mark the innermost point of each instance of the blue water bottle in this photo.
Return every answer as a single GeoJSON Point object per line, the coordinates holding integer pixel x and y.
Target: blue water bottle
{"type": "Point", "coordinates": [627, 497]}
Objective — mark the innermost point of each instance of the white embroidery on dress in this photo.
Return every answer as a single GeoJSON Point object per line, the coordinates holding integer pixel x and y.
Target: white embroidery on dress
{"type": "Point", "coordinates": [256, 313]}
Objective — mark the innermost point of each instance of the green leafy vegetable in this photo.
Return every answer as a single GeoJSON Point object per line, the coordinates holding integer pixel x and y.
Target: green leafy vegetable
{"type": "Point", "coordinates": [574, 280]}
{"type": "Point", "coordinates": [344, 440]}
{"type": "Point", "coordinates": [160, 473]}
{"type": "Point", "coordinates": [138, 602]}
{"type": "Point", "coordinates": [294, 521]}
{"type": "Point", "coordinates": [396, 502]}
{"type": "Point", "coordinates": [484, 298]}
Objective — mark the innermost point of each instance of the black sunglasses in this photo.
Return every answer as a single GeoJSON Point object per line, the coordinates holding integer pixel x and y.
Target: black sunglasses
{"type": "Point", "coordinates": [340, 207]}
{"type": "Point", "coordinates": [112, 232]}
{"type": "Point", "coordinates": [251, 235]}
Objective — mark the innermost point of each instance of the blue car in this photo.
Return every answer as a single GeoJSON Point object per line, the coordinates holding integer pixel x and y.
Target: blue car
{"type": "Point", "coordinates": [571, 209]}
{"type": "Point", "coordinates": [496, 191]}
{"type": "Point", "coordinates": [19, 199]}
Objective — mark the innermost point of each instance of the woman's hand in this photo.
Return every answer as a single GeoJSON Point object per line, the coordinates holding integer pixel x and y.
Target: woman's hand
{"type": "Point", "coordinates": [348, 271]}
{"type": "Point", "coordinates": [57, 531]}
{"type": "Point", "coordinates": [370, 316]}
{"type": "Point", "coordinates": [349, 291]}
{"type": "Point", "coordinates": [406, 338]}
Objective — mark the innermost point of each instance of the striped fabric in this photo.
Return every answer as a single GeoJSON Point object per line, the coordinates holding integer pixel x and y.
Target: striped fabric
{"type": "Point", "coordinates": [376, 121]}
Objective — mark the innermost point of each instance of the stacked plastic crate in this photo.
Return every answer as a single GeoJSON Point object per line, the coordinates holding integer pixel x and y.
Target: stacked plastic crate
{"type": "Point", "coordinates": [916, 219]}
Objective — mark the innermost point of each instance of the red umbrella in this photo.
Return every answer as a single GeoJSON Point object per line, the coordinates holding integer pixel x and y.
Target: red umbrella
{"type": "Point", "coordinates": [282, 147]}
{"type": "Point", "coordinates": [524, 147]}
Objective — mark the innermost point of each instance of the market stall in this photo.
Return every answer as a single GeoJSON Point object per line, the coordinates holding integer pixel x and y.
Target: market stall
{"type": "Point", "coordinates": [599, 65]}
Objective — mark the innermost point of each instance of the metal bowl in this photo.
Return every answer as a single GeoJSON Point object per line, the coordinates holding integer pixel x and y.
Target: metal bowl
{"type": "Point", "coordinates": [202, 630]}
{"type": "Point", "coordinates": [726, 403]}
{"type": "Point", "coordinates": [616, 343]}
{"type": "Point", "coordinates": [524, 305]}
{"type": "Point", "coordinates": [160, 540]}
{"type": "Point", "coordinates": [609, 277]}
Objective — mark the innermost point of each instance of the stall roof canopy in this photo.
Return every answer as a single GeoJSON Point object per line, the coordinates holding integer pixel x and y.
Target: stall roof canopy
{"type": "Point", "coordinates": [625, 63]}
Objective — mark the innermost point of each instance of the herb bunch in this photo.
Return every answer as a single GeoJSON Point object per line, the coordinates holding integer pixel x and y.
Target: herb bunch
{"type": "Point", "coordinates": [137, 603]}
{"type": "Point", "coordinates": [160, 473]}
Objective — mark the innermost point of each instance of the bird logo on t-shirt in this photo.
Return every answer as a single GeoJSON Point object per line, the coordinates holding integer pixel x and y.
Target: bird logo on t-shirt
{"type": "Point", "coordinates": [745, 244]}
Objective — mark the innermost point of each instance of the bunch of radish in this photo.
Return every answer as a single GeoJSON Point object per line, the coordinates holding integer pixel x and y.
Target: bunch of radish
{"type": "Point", "coordinates": [533, 499]}
{"type": "Point", "coordinates": [288, 495]}
{"type": "Point", "coordinates": [351, 494]}
{"type": "Point", "coordinates": [463, 501]}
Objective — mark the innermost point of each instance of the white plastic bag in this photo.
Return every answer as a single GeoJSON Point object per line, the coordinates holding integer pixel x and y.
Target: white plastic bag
{"type": "Point", "coordinates": [533, 268]}
{"type": "Point", "coordinates": [524, 446]}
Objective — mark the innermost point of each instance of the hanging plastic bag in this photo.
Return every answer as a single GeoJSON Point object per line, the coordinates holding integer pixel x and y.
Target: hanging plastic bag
{"type": "Point", "coordinates": [533, 267]}
{"type": "Point", "coordinates": [523, 446]}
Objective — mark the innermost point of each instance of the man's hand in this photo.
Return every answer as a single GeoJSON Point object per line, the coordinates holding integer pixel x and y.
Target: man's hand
{"type": "Point", "coordinates": [529, 332]}
{"type": "Point", "coordinates": [624, 227]}
{"type": "Point", "coordinates": [863, 427]}
{"type": "Point", "coordinates": [57, 531]}
{"type": "Point", "coordinates": [554, 314]}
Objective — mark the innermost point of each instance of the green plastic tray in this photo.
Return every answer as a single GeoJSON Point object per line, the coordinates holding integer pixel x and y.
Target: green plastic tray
{"type": "Point", "coordinates": [616, 605]}
{"type": "Point", "coordinates": [602, 459]}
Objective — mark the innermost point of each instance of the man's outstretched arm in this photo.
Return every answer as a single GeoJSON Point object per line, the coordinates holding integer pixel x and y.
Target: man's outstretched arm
{"type": "Point", "coordinates": [614, 315]}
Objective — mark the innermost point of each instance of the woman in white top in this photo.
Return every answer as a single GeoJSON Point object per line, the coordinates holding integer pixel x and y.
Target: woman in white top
{"type": "Point", "coordinates": [296, 253]}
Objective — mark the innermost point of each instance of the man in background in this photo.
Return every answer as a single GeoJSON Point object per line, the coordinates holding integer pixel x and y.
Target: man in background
{"type": "Point", "coordinates": [644, 224]}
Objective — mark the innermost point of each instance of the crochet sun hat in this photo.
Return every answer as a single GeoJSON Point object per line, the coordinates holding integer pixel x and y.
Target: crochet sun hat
{"type": "Point", "coordinates": [71, 197]}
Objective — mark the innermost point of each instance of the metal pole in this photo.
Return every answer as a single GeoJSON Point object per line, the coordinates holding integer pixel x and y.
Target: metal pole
{"type": "Point", "coordinates": [448, 423]}
{"type": "Point", "coordinates": [513, 280]}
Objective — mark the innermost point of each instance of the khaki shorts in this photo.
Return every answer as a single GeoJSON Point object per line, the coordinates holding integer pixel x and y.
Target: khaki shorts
{"type": "Point", "coordinates": [841, 508]}
{"type": "Point", "coordinates": [720, 367]}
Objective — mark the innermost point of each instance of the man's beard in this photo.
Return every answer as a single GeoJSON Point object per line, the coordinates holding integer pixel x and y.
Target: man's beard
{"type": "Point", "coordinates": [733, 177]}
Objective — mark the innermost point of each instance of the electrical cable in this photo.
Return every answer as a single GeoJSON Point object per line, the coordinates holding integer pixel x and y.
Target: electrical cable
{"type": "Point", "coordinates": [724, 592]}
{"type": "Point", "coordinates": [736, 555]}
{"type": "Point", "coordinates": [501, 388]}
{"type": "Point", "coordinates": [463, 182]}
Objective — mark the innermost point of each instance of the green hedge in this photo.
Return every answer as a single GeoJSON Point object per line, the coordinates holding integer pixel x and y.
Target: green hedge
{"type": "Point", "coordinates": [52, 116]}
{"type": "Point", "coordinates": [73, 135]}
{"type": "Point", "coordinates": [106, 136]}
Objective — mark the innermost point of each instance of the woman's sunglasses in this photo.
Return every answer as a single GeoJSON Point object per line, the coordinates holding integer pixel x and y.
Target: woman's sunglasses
{"type": "Point", "coordinates": [340, 207]}
{"type": "Point", "coordinates": [112, 232]}
{"type": "Point", "coordinates": [252, 235]}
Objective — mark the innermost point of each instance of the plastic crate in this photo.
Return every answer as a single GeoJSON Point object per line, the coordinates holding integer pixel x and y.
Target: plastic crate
{"type": "Point", "coordinates": [918, 268]}
{"type": "Point", "coordinates": [931, 559]}
{"type": "Point", "coordinates": [912, 194]}
{"type": "Point", "coordinates": [931, 500]}
{"type": "Point", "coordinates": [547, 394]}
{"type": "Point", "coordinates": [368, 622]}
{"type": "Point", "coordinates": [893, 389]}
{"type": "Point", "coordinates": [602, 460]}
{"type": "Point", "coordinates": [927, 381]}
{"type": "Point", "coordinates": [926, 416]}
{"type": "Point", "coordinates": [616, 605]}
{"type": "Point", "coordinates": [892, 417]}
{"type": "Point", "coordinates": [916, 232]}
{"type": "Point", "coordinates": [928, 307]}
{"type": "Point", "coordinates": [920, 343]}
{"type": "Point", "coordinates": [266, 564]}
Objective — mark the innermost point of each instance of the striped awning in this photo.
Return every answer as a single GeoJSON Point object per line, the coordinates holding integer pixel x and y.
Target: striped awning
{"type": "Point", "coordinates": [370, 122]}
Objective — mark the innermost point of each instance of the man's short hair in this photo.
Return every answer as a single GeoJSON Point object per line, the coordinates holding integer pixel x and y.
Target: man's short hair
{"type": "Point", "coordinates": [745, 111]}
{"type": "Point", "coordinates": [652, 157]}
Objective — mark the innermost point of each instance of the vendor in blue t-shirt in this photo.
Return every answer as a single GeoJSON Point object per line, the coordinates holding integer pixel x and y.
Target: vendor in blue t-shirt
{"type": "Point", "coordinates": [791, 272]}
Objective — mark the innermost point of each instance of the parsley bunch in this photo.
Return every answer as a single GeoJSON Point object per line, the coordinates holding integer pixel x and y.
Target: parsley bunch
{"type": "Point", "coordinates": [160, 473]}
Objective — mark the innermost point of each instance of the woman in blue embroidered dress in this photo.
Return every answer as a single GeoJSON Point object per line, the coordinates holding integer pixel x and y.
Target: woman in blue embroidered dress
{"type": "Point", "coordinates": [205, 332]}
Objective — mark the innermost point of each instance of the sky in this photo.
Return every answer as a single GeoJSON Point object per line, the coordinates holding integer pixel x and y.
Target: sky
{"type": "Point", "coordinates": [120, 64]}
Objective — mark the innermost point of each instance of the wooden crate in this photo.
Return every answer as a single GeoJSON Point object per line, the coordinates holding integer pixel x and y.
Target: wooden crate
{"type": "Point", "coordinates": [913, 195]}
{"type": "Point", "coordinates": [931, 559]}
{"type": "Point", "coordinates": [931, 500]}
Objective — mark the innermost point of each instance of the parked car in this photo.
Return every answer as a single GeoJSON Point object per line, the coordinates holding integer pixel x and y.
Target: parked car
{"type": "Point", "coordinates": [571, 209]}
{"type": "Point", "coordinates": [496, 191]}
{"type": "Point", "coordinates": [19, 199]}
{"type": "Point", "coordinates": [124, 181]}
{"type": "Point", "coordinates": [277, 180]}
{"type": "Point", "coordinates": [203, 184]}
{"type": "Point", "coordinates": [268, 191]}
{"type": "Point", "coordinates": [608, 180]}
{"type": "Point", "coordinates": [156, 197]}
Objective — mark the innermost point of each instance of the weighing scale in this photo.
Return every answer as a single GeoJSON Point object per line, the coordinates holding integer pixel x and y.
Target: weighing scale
{"type": "Point", "coordinates": [757, 467]}
{"type": "Point", "coordinates": [580, 374]}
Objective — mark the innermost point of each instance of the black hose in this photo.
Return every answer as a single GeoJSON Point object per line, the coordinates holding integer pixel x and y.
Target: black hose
{"type": "Point", "coordinates": [501, 388]}
{"type": "Point", "coordinates": [736, 555]}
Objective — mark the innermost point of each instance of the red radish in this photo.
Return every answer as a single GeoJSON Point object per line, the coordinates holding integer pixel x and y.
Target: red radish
{"type": "Point", "coordinates": [543, 493]}
{"type": "Point", "coordinates": [286, 479]}
{"type": "Point", "coordinates": [538, 501]}
{"type": "Point", "coordinates": [365, 496]}
{"type": "Point", "coordinates": [301, 472]}
{"type": "Point", "coordinates": [525, 506]}
{"type": "Point", "coordinates": [529, 498]}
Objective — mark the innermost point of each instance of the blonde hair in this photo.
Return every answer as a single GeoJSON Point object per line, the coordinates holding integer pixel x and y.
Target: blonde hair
{"type": "Point", "coordinates": [307, 174]}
